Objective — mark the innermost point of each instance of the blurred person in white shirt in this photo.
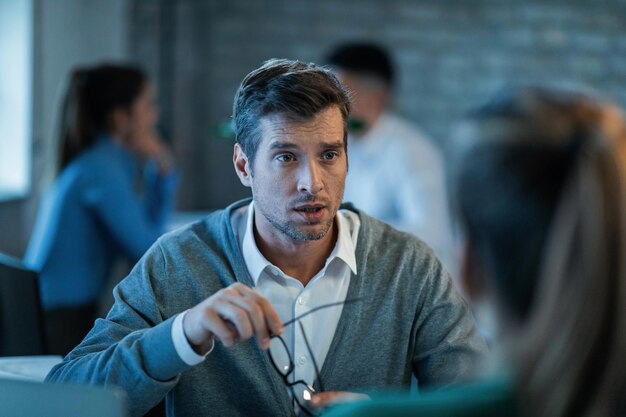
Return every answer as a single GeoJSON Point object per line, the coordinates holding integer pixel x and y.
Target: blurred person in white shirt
{"type": "Point", "coordinates": [396, 173]}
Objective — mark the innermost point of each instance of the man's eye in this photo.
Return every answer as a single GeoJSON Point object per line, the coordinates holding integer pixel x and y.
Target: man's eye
{"type": "Point", "coordinates": [285, 158]}
{"type": "Point", "coordinates": [329, 155]}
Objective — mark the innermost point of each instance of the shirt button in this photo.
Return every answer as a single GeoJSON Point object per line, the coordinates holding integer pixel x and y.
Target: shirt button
{"type": "Point", "coordinates": [302, 360]}
{"type": "Point", "coordinates": [300, 300]}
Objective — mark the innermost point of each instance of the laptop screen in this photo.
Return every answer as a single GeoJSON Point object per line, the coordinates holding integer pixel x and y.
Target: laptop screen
{"type": "Point", "coordinates": [36, 399]}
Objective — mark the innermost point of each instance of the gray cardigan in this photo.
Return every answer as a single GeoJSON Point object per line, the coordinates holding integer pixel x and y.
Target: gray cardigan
{"type": "Point", "coordinates": [411, 321]}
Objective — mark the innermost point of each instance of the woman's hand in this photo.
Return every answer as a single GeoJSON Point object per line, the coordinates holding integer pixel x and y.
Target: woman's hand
{"type": "Point", "coordinates": [149, 145]}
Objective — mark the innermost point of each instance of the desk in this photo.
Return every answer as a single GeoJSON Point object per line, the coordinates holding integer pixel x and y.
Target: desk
{"type": "Point", "coordinates": [28, 368]}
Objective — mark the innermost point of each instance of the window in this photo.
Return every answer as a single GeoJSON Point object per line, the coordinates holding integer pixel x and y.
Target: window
{"type": "Point", "coordinates": [16, 55]}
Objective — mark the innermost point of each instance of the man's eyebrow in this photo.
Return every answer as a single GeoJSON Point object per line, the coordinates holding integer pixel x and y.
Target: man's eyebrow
{"type": "Point", "coordinates": [277, 144]}
{"type": "Point", "coordinates": [281, 145]}
{"type": "Point", "coordinates": [332, 145]}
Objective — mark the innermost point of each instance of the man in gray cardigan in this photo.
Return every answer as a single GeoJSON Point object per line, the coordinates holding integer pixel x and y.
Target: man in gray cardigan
{"type": "Point", "coordinates": [257, 308]}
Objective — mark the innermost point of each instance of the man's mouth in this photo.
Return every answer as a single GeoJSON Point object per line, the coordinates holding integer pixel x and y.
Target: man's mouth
{"type": "Point", "coordinates": [309, 209]}
{"type": "Point", "coordinates": [311, 213]}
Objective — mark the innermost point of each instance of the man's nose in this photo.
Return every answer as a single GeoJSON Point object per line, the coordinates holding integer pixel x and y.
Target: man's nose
{"type": "Point", "coordinates": [310, 178]}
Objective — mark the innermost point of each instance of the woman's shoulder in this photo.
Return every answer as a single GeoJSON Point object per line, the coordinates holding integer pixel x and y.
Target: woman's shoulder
{"type": "Point", "coordinates": [104, 159]}
{"type": "Point", "coordinates": [106, 151]}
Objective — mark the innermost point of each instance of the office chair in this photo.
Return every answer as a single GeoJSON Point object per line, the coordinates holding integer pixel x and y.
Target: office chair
{"type": "Point", "coordinates": [21, 317]}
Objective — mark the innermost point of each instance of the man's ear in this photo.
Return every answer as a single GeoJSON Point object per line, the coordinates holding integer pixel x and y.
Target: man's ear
{"type": "Point", "coordinates": [242, 166]}
{"type": "Point", "coordinates": [472, 274]}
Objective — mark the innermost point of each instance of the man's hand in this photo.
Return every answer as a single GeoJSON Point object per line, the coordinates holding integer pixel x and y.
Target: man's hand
{"type": "Point", "coordinates": [326, 398]}
{"type": "Point", "coordinates": [233, 314]}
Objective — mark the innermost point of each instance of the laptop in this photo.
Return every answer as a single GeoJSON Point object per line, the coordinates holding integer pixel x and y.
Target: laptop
{"type": "Point", "coordinates": [22, 398]}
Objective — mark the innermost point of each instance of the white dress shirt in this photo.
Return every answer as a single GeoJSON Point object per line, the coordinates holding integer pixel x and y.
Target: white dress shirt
{"type": "Point", "coordinates": [290, 298]}
{"type": "Point", "coordinates": [397, 175]}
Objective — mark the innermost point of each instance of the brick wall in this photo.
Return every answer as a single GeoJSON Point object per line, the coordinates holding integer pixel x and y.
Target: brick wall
{"type": "Point", "coordinates": [449, 54]}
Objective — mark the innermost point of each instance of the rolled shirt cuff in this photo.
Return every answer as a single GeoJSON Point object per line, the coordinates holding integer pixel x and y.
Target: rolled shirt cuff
{"type": "Point", "coordinates": [181, 344]}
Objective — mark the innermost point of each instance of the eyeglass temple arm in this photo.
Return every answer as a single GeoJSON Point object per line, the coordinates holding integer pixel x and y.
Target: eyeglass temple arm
{"type": "Point", "coordinates": [308, 347]}
{"type": "Point", "coordinates": [313, 310]}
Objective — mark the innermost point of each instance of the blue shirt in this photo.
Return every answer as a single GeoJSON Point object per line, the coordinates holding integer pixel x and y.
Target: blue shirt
{"type": "Point", "coordinates": [98, 208]}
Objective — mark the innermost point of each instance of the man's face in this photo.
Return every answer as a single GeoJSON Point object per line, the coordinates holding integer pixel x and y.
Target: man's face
{"type": "Point", "coordinates": [298, 176]}
{"type": "Point", "coordinates": [369, 99]}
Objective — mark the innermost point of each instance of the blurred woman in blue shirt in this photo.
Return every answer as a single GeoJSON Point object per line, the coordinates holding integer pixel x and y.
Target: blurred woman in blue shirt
{"type": "Point", "coordinates": [112, 196]}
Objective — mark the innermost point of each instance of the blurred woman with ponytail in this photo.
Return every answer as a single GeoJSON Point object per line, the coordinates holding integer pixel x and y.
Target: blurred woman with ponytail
{"type": "Point", "coordinates": [540, 192]}
{"type": "Point", "coordinates": [113, 193]}
{"type": "Point", "coordinates": [538, 186]}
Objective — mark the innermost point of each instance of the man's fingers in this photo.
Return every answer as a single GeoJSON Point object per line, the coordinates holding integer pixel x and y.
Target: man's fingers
{"type": "Point", "coordinates": [233, 314]}
{"type": "Point", "coordinates": [220, 329]}
{"type": "Point", "coordinates": [225, 321]}
{"type": "Point", "coordinates": [271, 319]}
{"type": "Point", "coordinates": [324, 399]}
{"type": "Point", "coordinates": [257, 319]}
{"type": "Point", "coordinates": [230, 312]}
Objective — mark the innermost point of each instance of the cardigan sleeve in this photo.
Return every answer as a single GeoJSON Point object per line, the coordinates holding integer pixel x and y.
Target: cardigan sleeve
{"type": "Point", "coordinates": [132, 347]}
{"type": "Point", "coordinates": [449, 348]}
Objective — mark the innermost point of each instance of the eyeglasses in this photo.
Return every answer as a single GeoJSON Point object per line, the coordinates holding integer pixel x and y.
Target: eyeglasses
{"type": "Point", "coordinates": [301, 392]}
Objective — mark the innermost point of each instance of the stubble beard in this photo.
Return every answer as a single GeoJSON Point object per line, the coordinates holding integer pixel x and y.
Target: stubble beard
{"type": "Point", "coordinates": [292, 231]}
{"type": "Point", "coordinates": [290, 228]}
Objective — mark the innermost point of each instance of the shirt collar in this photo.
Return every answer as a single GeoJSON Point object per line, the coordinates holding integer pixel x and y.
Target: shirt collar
{"type": "Point", "coordinates": [257, 263]}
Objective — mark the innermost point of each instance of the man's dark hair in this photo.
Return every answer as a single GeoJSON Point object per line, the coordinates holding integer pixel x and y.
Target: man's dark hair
{"type": "Point", "coordinates": [363, 58]}
{"type": "Point", "coordinates": [293, 89]}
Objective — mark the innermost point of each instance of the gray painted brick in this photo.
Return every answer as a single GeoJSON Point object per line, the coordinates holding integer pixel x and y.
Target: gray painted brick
{"type": "Point", "coordinates": [450, 55]}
